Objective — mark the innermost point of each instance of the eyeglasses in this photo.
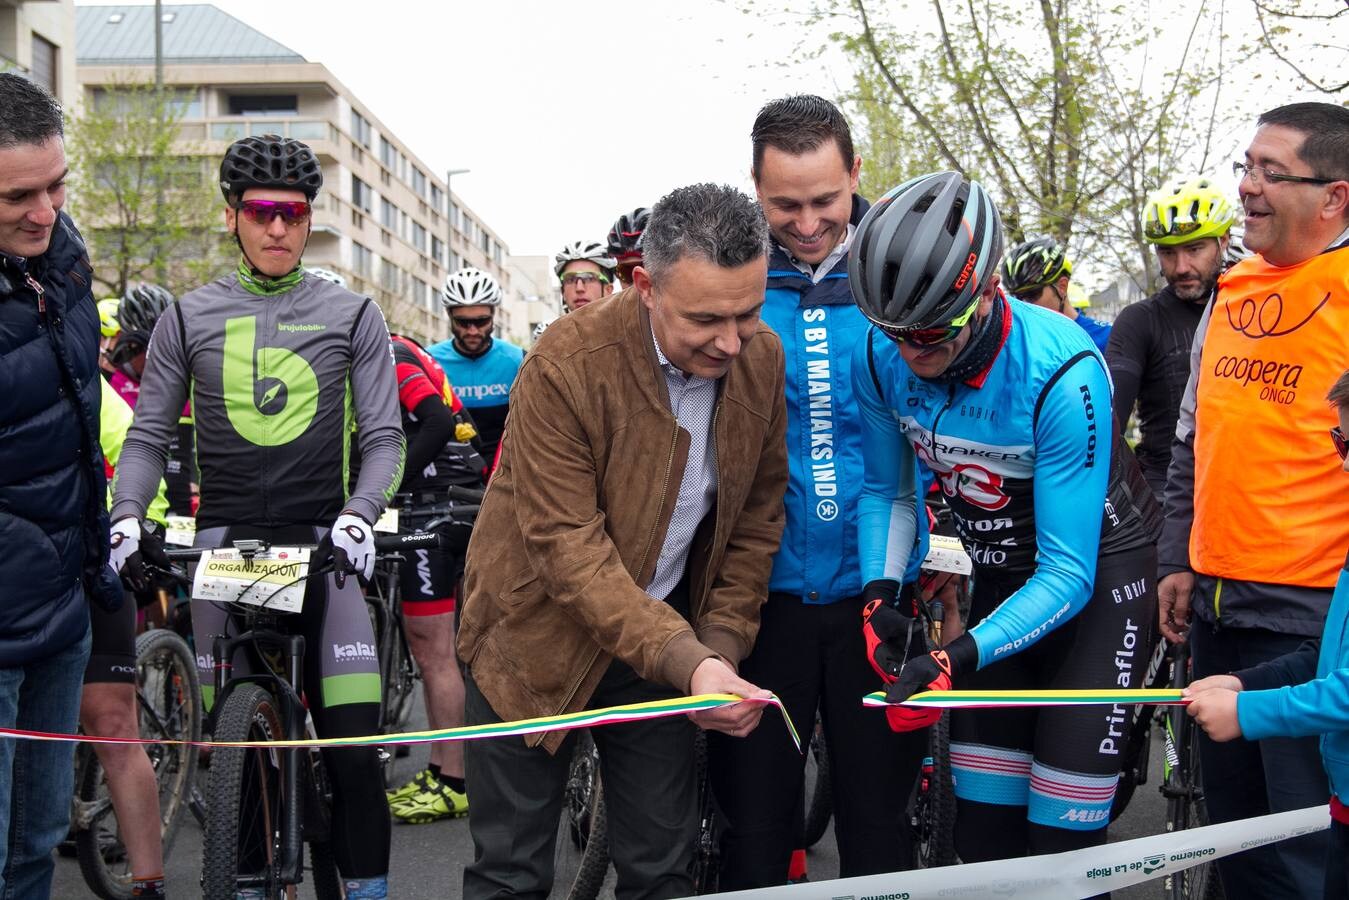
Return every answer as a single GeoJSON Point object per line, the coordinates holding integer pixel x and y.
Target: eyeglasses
{"type": "Point", "coordinates": [262, 212]}
{"type": "Point", "coordinates": [932, 337]}
{"type": "Point", "coordinates": [1260, 175]}
{"type": "Point", "coordinates": [472, 321]}
{"type": "Point", "coordinates": [1155, 229]}
{"type": "Point", "coordinates": [1341, 445]}
{"type": "Point", "coordinates": [584, 278]}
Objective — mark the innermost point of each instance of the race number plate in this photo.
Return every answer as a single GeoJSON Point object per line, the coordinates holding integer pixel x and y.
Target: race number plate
{"type": "Point", "coordinates": [947, 554]}
{"type": "Point", "coordinates": [388, 523]}
{"type": "Point", "coordinates": [180, 530]}
{"type": "Point", "coordinates": [274, 578]}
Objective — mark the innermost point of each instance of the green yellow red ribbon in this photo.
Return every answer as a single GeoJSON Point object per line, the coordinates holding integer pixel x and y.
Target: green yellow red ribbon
{"type": "Point", "coordinates": [589, 718]}
{"type": "Point", "coordinates": [994, 699]}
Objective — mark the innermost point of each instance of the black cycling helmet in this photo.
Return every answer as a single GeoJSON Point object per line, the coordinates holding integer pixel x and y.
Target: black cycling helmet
{"type": "Point", "coordinates": [925, 252]}
{"type": "Point", "coordinates": [142, 305]}
{"type": "Point", "coordinates": [269, 161]}
{"type": "Point", "coordinates": [626, 235]}
{"type": "Point", "coordinates": [1034, 264]}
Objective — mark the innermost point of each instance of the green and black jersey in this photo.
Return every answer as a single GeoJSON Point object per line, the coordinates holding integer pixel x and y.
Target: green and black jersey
{"type": "Point", "coordinates": [279, 384]}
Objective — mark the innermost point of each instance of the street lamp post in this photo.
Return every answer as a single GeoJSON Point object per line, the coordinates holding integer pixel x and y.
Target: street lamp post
{"type": "Point", "coordinates": [449, 221]}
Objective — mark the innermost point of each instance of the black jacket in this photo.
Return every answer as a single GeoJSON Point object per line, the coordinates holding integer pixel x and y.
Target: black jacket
{"type": "Point", "coordinates": [53, 493]}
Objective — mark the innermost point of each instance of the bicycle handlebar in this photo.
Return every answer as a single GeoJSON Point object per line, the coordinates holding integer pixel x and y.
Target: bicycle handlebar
{"type": "Point", "coordinates": [384, 544]}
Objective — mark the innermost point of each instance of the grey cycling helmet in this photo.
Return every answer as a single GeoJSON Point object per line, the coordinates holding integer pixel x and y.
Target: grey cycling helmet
{"type": "Point", "coordinates": [142, 305]}
{"type": "Point", "coordinates": [470, 287]}
{"type": "Point", "coordinates": [625, 238]}
{"type": "Point", "coordinates": [925, 252]}
{"type": "Point", "coordinates": [593, 251]}
{"type": "Point", "coordinates": [327, 275]}
{"type": "Point", "coordinates": [269, 161]}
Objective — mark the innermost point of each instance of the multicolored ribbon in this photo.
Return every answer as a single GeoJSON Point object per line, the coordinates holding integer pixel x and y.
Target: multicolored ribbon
{"type": "Point", "coordinates": [590, 718]}
{"type": "Point", "coordinates": [994, 699]}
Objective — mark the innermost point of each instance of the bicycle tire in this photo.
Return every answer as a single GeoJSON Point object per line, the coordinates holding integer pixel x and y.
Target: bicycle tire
{"type": "Point", "coordinates": [169, 700]}
{"type": "Point", "coordinates": [706, 866]}
{"type": "Point", "coordinates": [1186, 809]}
{"type": "Point", "coordinates": [820, 804]}
{"type": "Point", "coordinates": [932, 805]}
{"type": "Point", "coordinates": [317, 827]}
{"type": "Point", "coordinates": [243, 796]}
{"type": "Point", "coordinates": [583, 833]}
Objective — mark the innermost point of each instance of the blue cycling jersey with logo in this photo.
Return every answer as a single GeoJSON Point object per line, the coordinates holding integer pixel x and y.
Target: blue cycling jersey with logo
{"type": "Point", "coordinates": [1025, 456]}
{"type": "Point", "coordinates": [483, 383]}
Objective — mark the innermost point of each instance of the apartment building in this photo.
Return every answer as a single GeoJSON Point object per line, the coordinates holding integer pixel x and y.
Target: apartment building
{"type": "Point", "coordinates": [535, 296]}
{"type": "Point", "coordinates": [37, 39]}
{"type": "Point", "coordinates": [384, 220]}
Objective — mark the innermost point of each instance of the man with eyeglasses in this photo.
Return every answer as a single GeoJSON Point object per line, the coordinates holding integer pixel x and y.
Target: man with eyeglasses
{"type": "Point", "coordinates": [1009, 405]}
{"type": "Point", "coordinates": [284, 369]}
{"type": "Point", "coordinates": [1149, 349]}
{"type": "Point", "coordinates": [1039, 272]}
{"type": "Point", "coordinates": [1253, 531]}
{"type": "Point", "coordinates": [481, 367]}
{"type": "Point", "coordinates": [586, 271]}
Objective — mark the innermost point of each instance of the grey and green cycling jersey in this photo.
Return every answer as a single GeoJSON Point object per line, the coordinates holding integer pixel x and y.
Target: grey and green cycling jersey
{"type": "Point", "coordinates": [279, 385]}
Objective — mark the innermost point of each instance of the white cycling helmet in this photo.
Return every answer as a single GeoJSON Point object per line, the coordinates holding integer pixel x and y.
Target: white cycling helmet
{"type": "Point", "coordinates": [593, 251]}
{"type": "Point", "coordinates": [327, 275]}
{"type": "Point", "coordinates": [470, 287]}
{"type": "Point", "coordinates": [540, 328]}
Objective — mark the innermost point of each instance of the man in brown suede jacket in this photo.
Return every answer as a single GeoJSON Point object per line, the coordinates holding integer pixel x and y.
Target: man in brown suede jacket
{"type": "Point", "coordinates": [624, 546]}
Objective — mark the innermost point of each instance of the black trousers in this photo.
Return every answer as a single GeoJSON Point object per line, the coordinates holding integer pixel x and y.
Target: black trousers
{"type": "Point", "coordinates": [1254, 778]}
{"type": "Point", "coordinates": [648, 774]}
{"type": "Point", "coordinates": [813, 657]}
{"type": "Point", "coordinates": [1337, 862]}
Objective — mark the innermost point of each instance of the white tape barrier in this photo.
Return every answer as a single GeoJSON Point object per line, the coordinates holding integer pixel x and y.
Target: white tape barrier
{"type": "Point", "coordinates": [1071, 875]}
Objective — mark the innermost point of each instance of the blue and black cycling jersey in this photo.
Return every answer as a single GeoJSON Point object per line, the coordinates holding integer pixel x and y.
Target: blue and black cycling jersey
{"type": "Point", "coordinates": [1030, 462]}
{"type": "Point", "coordinates": [484, 384]}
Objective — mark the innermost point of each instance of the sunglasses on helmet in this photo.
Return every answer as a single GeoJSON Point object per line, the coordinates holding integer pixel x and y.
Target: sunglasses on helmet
{"type": "Point", "coordinates": [262, 212]}
{"type": "Point", "coordinates": [1155, 229]}
{"type": "Point", "coordinates": [1338, 439]}
{"type": "Point", "coordinates": [932, 337]}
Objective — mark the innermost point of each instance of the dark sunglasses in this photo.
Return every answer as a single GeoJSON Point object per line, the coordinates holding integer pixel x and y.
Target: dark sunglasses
{"type": "Point", "coordinates": [1337, 438]}
{"type": "Point", "coordinates": [472, 321]}
{"type": "Point", "coordinates": [262, 212]}
{"type": "Point", "coordinates": [932, 337]}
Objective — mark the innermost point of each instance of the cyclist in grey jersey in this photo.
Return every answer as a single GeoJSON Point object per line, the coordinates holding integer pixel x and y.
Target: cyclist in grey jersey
{"type": "Point", "coordinates": [280, 366]}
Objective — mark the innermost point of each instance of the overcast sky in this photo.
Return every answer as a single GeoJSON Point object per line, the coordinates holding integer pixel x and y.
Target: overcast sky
{"type": "Point", "coordinates": [567, 113]}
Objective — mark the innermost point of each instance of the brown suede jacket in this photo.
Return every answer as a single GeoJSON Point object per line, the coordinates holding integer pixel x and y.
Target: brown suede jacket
{"type": "Point", "coordinates": [576, 515]}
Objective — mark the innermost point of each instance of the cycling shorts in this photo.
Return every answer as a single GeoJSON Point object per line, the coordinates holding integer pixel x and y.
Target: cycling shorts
{"type": "Point", "coordinates": [427, 579]}
{"type": "Point", "coordinates": [112, 658]}
{"type": "Point", "coordinates": [1062, 763]}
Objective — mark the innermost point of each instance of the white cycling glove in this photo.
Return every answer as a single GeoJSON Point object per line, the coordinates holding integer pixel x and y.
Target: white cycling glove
{"type": "Point", "coordinates": [124, 540]}
{"type": "Point", "coordinates": [353, 547]}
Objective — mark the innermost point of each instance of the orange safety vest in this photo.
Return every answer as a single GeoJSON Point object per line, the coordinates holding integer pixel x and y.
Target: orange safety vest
{"type": "Point", "coordinates": [1270, 502]}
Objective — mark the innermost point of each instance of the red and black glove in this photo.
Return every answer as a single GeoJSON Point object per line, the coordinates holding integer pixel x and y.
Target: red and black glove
{"type": "Point", "coordinates": [891, 637]}
{"type": "Point", "coordinates": [932, 672]}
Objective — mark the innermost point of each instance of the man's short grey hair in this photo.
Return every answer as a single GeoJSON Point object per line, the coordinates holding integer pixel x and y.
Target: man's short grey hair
{"type": "Point", "coordinates": [28, 114]}
{"type": "Point", "coordinates": [716, 223]}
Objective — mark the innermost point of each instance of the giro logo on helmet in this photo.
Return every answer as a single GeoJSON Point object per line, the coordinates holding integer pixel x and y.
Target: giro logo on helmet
{"type": "Point", "coordinates": [965, 273]}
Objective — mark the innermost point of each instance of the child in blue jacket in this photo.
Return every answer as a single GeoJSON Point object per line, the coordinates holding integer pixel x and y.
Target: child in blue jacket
{"type": "Point", "coordinates": [1303, 693]}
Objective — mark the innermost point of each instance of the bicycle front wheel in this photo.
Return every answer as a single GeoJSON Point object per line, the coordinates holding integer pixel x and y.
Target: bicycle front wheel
{"type": "Point", "coordinates": [242, 843]}
{"type": "Point", "coordinates": [582, 852]}
{"type": "Point", "coordinates": [1185, 807]}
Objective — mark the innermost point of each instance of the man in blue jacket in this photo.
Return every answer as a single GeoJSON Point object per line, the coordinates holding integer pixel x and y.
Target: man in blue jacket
{"type": "Point", "coordinates": [1300, 694]}
{"type": "Point", "coordinates": [810, 649]}
{"type": "Point", "coordinates": [53, 515]}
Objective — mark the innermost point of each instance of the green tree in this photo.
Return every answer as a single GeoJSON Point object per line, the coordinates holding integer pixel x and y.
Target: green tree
{"type": "Point", "coordinates": [1068, 110]}
{"type": "Point", "coordinates": [142, 195]}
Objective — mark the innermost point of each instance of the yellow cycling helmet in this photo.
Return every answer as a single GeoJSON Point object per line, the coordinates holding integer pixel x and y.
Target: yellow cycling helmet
{"type": "Point", "coordinates": [1187, 210]}
{"type": "Point", "coordinates": [107, 317]}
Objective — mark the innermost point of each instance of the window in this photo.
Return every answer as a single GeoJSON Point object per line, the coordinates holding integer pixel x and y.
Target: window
{"type": "Point", "coordinates": [181, 103]}
{"type": "Point", "coordinates": [388, 215]}
{"type": "Point", "coordinates": [496, 252]}
{"type": "Point", "coordinates": [263, 105]}
{"type": "Point", "coordinates": [437, 249]}
{"type": "Point", "coordinates": [486, 244]}
{"type": "Point", "coordinates": [387, 154]}
{"type": "Point", "coordinates": [390, 276]}
{"type": "Point", "coordinates": [437, 198]}
{"type": "Point", "coordinates": [362, 197]}
{"type": "Point", "coordinates": [44, 63]}
{"type": "Point", "coordinates": [308, 131]}
{"type": "Point", "coordinates": [419, 237]}
{"type": "Point", "coordinates": [362, 260]}
{"type": "Point", "coordinates": [455, 262]}
{"type": "Point", "coordinates": [419, 181]}
{"type": "Point", "coordinates": [360, 129]}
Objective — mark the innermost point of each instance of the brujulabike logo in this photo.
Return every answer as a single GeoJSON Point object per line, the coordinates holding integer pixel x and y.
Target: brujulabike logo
{"type": "Point", "coordinates": [271, 394]}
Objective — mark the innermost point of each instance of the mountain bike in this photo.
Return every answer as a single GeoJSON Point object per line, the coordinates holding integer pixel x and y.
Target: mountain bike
{"type": "Point", "coordinates": [263, 804]}
{"type": "Point", "coordinates": [1182, 786]}
{"type": "Point", "coordinates": [169, 699]}
{"type": "Point", "coordinates": [581, 855]}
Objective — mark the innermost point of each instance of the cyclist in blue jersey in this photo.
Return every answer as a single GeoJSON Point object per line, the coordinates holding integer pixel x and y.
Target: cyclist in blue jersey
{"type": "Point", "coordinates": [481, 367]}
{"type": "Point", "coordinates": [809, 650]}
{"type": "Point", "coordinates": [1038, 272]}
{"type": "Point", "coordinates": [1009, 405]}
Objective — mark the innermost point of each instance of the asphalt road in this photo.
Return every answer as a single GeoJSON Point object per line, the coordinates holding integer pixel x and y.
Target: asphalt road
{"type": "Point", "coordinates": [428, 860]}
